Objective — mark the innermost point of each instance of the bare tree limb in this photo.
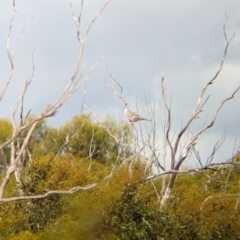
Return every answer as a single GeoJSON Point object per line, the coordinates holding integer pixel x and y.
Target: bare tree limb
{"type": "Point", "coordinates": [49, 193]}
{"type": "Point", "coordinates": [112, 86]}
{"type": "Point", "coordinates": [207, 167]}
{"type": "Point", "coordinates": [11, 53]}
{"type": "Point", "coordinates": [75, 82]}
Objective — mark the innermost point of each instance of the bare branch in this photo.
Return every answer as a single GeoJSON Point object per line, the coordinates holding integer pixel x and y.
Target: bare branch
{"type": "Point", "coordinates": [11, 53]}
{"type": "Point", "coordinates": [168, 124]}
{"type": "Point", "coordinates": [95, 18]}
{"type": "Point", "coordinates": [49, 193]}
{"type": "Point", "coordinates": [207, 167]}
{"type": "Point", "coordinates": [228, 41]}
{"type": "Point", "coordinates": [21, 98]}
{"type": "Point", "coordinates": [77, 20]}
{"type": "Point", "coordinates": [114, 81]}
{"type": "Point", "coordinates": [102, 125]}
{"type": "Point", "coordinates": [75, 82]}
{"type": "Point", "coordinates": [195, 138]}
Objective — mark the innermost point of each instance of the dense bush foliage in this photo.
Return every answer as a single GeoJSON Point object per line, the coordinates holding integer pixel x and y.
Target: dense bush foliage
{"type": "Point", "coordinates": [124, 205]}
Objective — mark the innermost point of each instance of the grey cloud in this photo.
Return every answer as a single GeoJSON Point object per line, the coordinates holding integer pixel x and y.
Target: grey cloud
{"type": "Point", "coordinates": [137, 39]}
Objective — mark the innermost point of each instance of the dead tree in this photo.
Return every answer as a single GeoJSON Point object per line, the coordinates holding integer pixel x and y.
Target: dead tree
{"type": "Point", "coordinates": [180, 150]}
{"type": "Point", "coordinates": [174, 148]}
{"type": "Point", "coordinates": [79, 76]}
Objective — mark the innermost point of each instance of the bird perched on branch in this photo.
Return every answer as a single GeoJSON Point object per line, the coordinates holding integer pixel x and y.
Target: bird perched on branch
{"type": "Point", "coordinates": [132, 116]}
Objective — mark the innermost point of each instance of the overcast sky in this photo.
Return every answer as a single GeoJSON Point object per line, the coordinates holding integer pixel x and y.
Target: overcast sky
{"type": "Point", "coordinates": [137, 39]}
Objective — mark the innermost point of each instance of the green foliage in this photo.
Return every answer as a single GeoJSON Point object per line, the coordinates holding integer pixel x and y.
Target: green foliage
{"type": "Point", "coordinates": [123, 207]}
{"type": "Point", "coordinates": [41, 141]}
{"type": "Point", "coordinates": [87, 139]}
{"type": "Point", "coordinates": [85, 213]}
{"type": "Point", "coordinates": [5, 130]}
{"type": "Point", "coordinates": [26, 235]}
{"type": "Point", "coordinates": [42, 175]}
{"type": "Point", "coordinates": [56, 174]}
{"type": "Point", "coordinates": [91, 141]}
{"type": "Point", "coordinates": [133, 218]}
{"type": "Point", "coordinates": [5, 133]}
{"type": "Point", "coordinates": [120, 207]}
{"type": "Point", "coordinates": [44, 139]}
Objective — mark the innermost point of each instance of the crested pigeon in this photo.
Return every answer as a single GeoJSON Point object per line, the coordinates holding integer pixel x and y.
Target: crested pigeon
{"type": "Point", "coordinates": [132, 116]}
